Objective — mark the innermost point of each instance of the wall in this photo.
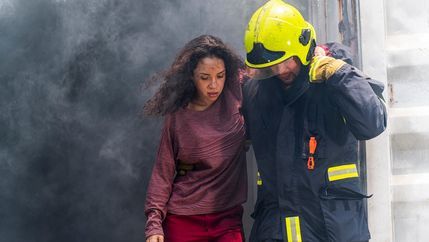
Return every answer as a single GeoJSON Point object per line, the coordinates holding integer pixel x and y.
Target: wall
{"type": "Point", "coordinates": [394, 46]}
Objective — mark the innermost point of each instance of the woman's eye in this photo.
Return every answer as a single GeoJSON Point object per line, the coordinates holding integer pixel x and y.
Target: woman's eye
{"type": "Point", "coordinates": [204, 78]}
{"type": "Point", "coordinates": [221, 76]}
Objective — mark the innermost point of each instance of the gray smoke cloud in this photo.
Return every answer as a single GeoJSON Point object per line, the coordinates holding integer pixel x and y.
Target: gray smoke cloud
{"type": "Point", "coordinates": [75, 155]}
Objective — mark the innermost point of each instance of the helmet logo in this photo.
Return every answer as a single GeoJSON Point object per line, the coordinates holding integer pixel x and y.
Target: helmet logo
{"type": "Point", "coordinates": [304, 38]}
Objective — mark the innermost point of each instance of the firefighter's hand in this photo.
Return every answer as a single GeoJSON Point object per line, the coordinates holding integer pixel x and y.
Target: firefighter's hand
{"type": "Point", "coordinates": [155, 238]}
{"type": "Point", "coordinates": [323, 67]}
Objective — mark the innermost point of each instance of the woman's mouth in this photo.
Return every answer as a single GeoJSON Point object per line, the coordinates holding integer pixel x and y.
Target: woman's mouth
{"type": "Point", "coordinates": [212, 94]}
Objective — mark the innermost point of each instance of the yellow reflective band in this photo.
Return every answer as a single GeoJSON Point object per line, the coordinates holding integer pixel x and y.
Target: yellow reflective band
{"type": "Point", "coordinates": [293, 229]}
{"type": "Point", "coordinates": [259, 180]}
{"type": "Point", "coordinates": [342, 172]}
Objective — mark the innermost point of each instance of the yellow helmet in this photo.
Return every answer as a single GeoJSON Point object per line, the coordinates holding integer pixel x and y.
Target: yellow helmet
{"type": "Point", "coordinates": [276, 32]}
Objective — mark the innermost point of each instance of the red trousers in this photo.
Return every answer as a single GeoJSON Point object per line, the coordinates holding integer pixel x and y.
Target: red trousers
{"type": "Point", "coordinates": [225, 226]}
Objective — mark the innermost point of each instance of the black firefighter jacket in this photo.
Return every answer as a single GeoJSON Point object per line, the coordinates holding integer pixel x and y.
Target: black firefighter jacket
{"type": "Point", "coordinates": [294, 202]}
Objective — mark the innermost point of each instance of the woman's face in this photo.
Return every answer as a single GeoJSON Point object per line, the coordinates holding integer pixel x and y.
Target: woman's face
{"type": "Point", "coordinates": [209, 79]}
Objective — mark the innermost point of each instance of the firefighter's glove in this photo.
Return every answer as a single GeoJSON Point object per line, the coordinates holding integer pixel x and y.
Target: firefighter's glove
{"type": "Point", "coordinates": [323, 67]}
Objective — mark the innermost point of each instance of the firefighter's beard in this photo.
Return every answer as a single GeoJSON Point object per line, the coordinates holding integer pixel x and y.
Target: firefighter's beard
{"type": "Point", "coordinates": [287, 78]}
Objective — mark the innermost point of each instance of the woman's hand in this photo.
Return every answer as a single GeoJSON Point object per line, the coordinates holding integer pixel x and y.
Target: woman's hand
{"type": "Point", "coordinates": [319, 51]}
{"type": "Point", "coordinates": [155, 238]}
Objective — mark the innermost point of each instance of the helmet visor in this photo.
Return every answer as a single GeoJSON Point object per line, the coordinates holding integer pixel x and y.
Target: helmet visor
{"type": "Point", "coordinates": [283, 68]}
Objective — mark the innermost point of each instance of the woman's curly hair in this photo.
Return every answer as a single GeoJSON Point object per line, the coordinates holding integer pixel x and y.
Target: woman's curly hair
{"type": "Point", "coordinates": [177, 88]}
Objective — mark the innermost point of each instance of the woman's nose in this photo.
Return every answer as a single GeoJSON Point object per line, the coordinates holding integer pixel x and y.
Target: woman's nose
{"type": "Point", "coordinates": [213, 83]}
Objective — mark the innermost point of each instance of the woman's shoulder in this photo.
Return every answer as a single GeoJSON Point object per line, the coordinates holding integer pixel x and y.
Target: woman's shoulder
{"type": "Point", "coordinates": [169, 119]}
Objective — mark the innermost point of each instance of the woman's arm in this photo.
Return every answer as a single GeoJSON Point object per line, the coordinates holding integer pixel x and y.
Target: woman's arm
{"type": "Point", "coordinates": [160, 184]}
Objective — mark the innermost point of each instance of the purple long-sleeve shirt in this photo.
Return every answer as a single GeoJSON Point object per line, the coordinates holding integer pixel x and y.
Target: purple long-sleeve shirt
{"type": "Point", "coordinates": [212, 140]}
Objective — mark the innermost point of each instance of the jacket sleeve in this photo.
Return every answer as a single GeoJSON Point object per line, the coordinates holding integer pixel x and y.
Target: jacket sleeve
{"type": "Point", "coordinates": [160, 184]}
{"type": "Point", "coordinates": [360, 101]}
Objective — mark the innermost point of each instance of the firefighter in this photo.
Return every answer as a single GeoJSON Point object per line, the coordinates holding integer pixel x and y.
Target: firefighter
{"type": "Point", "coordinates": [305, 115]}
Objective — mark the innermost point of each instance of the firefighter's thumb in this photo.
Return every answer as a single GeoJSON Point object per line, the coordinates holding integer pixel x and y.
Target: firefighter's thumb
{"type": "Point", "coordinates": [323, 67]}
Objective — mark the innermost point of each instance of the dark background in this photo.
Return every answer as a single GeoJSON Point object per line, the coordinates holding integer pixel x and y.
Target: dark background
{"type": "Point", "coordinates": [75, 154]}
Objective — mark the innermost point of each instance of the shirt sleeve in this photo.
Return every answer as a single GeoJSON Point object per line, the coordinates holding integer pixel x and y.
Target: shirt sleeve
{"type": "Point", "coordinates": [360, 101]}
{"type": "Point", "coordinates": [160, 184]}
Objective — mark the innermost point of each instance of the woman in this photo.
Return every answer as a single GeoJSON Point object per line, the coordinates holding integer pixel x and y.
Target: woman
{"type": "Point", "coordinates": [199, 180]}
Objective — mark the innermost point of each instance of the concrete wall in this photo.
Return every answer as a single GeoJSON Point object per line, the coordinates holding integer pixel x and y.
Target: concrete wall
{"type": "Point", "coordinates": [394, 50]}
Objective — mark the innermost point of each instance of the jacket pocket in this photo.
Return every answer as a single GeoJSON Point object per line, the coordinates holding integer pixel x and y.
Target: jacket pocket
{"type": "Point", "coordinates": [342, 205]}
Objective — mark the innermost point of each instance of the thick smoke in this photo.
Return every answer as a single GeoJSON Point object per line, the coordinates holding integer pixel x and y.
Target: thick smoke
{"type": "Point", "coordinates": [75, 153]}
